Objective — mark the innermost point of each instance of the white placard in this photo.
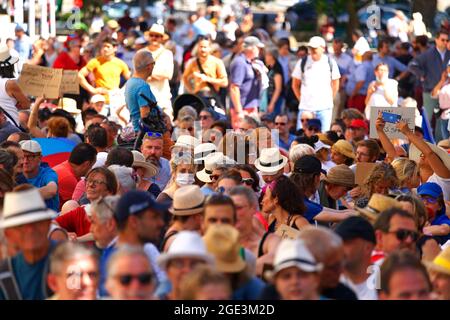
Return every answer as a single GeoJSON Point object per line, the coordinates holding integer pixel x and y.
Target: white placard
{"type": "Point", "coordinates": [407, 114]}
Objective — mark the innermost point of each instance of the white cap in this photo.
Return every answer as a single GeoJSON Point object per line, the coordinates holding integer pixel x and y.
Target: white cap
{"type": "Point", "coordinates": [294, 253]}
{"type": "Point", "coordinates": [97, 98]}
{"type": "Point", "coordinates": [320, 145]}
{"type": "Point", "coordinates": [30, 146]}
{"type": "Point", "coordinates": [316, 42]}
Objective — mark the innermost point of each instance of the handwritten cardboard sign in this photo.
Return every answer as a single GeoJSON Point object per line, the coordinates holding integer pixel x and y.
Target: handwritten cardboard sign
{"type": "Point", "coordinates": [69, 82]}
{"type": "Point", "coordinates": [38, 81]}
{"type": "Point", "coordinates": [407, 114]}
{"type": "Point", "coordinates": [286, 232]}
{"type": "Point", "coordinates": [363, 170]}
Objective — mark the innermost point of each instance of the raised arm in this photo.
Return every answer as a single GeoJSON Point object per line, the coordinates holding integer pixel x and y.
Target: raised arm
{"type": "Point", "coordinates": [33, 119]}
{"type": "Point", "coordinates": [385, 141]}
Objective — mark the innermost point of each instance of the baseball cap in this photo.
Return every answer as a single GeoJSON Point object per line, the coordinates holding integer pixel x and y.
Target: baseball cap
{"type": "Point", "coordinates": [30, 146]}
{"type": "Point", "coordinates": [253, 41]}
{"type": "Point", "coordinates": [320, 145]}
{"type": "Point", "coordinates": [97, 98]}
{"type": "Point", "coordinates": [136, 201]}
{"type": "Point", "coordinates": [431, 189]}
{"type": "Point", "coordinates": [316, 123]}
{"type": "Point", "coordinates": [356, 227]}
{"type": "Point", "coordinates": [316, 42]}
{"type": "Point", "coordinates": [308, 164]}
{"type": "Point", "coordinates": [358, 123]}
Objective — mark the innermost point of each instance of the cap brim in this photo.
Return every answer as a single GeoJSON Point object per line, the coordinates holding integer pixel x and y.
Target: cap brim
{"type": "Point", "coordinates": [164, 258]}
{"type": "Point", "coordinates": [27, 219]}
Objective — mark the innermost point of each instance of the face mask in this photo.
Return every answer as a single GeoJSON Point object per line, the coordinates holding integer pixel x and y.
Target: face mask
{"type": "Point", "coordinates": [184, 179]}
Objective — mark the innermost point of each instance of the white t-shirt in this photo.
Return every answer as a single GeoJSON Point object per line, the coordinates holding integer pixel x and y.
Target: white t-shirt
{"type": "Point", "coordinates": [361, 46]}
{"type": "Point", "coordinates": [365, 290]}
{"type": "Point", "coordinates": [316, 92]}
{"type": "Point", "coordinates": [443, 183]}
{"type": "Point", "coordinates": [163, 67]}
{"type": "Point", "coordinates": [8, 103]}
{"type": "Point", "coordinates": [377, 99]}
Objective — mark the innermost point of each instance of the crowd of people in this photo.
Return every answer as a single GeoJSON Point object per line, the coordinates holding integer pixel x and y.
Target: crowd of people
{"type": "Point", "coordinates": [210, 161]}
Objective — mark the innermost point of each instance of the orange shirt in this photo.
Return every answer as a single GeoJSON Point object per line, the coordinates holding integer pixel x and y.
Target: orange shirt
{"type": "Point", "coordinates": [213, 67]}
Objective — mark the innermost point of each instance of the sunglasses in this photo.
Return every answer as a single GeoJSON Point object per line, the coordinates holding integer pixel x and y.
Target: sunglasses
{"type": "Point", "coordinates": [143, 278]}
{"type": "Point", "coordinates": [429, 199]}
{"type": "Point", "coordinates": [280, 123]}
{"type": "Point", "coordinates": [248, 181]}
{"type": "Point", "coordinates": [403, 234]}
{"type": "Point", "coordinates": [214, 176]}
{"type": "Point", "coordinates": [313, 129]}
{"type": "Point", "coordinates": [304, 120]}
{"type": "Point", "coordinates": [152, 35]}
{"type": "Point", "coordinates": [153, 134]}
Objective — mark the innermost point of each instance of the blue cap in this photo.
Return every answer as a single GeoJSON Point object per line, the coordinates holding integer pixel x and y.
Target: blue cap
{"type": "Point", "coordinates": [315, 123]}
{"type": "Point", "coordinates": [136, 201]}
{"type": "Point", "coordinates": [430, 189]}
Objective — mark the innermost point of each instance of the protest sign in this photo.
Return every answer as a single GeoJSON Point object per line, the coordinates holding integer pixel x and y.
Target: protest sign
{"type": "Point", "coordinates": [69, 82]}
{"type": "Point", "coordinates": [286, 232]}
{"type": "Point", "coordinates": [363, 170]}
{"type": "Point", "coordinates": [38, 81]}
{"type": "Point", "coordinates": [407, 114]}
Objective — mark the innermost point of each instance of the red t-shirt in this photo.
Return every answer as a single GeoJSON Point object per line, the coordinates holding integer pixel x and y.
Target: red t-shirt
{"type": "Point", "coordinates": [64, 61]}
{"type": "Point", "coordinates": [75, 221]}
{"type": "Point", "coordinates": [67, 181]}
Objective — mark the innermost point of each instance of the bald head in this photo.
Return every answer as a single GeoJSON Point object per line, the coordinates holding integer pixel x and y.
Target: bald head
{"type": "Point", "coordinates": [142, 59]}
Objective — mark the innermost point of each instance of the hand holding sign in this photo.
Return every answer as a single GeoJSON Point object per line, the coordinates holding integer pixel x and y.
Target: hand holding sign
{"type": "Point", "coordinates": [389, 120]}
{"type": "Point", "coordinates": [402, 126]}
{"type": "Point", "coordinates": [380, 123]}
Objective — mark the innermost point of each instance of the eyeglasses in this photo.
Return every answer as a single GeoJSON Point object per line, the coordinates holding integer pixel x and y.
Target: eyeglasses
{"type": "Point", "coordinates": [214, 176]}
{"type": "Point", "coordinates": [313, 129]}
{"type": "Point", "coordinates": [304, 120]}
{"type": "Point", "coordinates": [248, 181]}
{"type": "Point", "coordinates": [444, 40]}
{"type": "Point", "coordinates": [429, 199]}
{"type": "Point", "coordinates": [403, 234]}
{"type": "Point", "coordinates": [30, 156]}
{"type": "Point", "coordinates": [152, 35]}
{"type": "Point", "coordinates": [94, 182]}
{"type": "Point", "coordinates": [143, 278]}
{"type": "Point", "coordinates": [280, 123]}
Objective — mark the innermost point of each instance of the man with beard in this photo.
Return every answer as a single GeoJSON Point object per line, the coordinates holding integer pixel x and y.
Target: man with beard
{"type": "Point", "coordinates": [152, 148]}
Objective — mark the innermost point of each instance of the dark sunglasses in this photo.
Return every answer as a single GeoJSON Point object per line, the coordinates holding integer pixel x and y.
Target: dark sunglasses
{"type": "Point", "coordinates": [403, 234]}
{"type": "Point", "coordinates": [280, 123]}
{"type": "Point", "coordinates": [313, 129]}
{"type": "Point", "coordinates": [143, 278]}
{"type": "Point", "coordinates": [248, 181]}
{"type": "Point", "coordinates": [214, 176]}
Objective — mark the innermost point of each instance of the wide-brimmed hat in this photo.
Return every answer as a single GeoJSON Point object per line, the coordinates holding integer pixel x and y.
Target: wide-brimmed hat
{"type": "Point", "coordinates": [187, 244]}
{"type": "Point", "coordinates": [5, 56]}
{"type": "Point", "coordinates": [203, 150]}
{"type": "Point", "coordinates": [414, 154]}
{"type": "Point", "coordinates": [294, 253]}
{"type": "Point", "coordinates": [24, 207]}
{"type": "Point", "coordinates": [186, 141]}
{"type": "Point", "coordinates": [344, 147]}
{"type": "Point", "coordinates": [212, 161]}
{"type": "Point", "coordinates": [139, 161]}
{"type": "Point", "coordinates": [69, 105]}
{"type": "Point", "coordinates": [222, 241]}
{"type": "Point", "coordinates": [156, 28]}
{"type": "Point", "coordinates": [316, 42]}
{"type": "Point", "coordinates": [341, 175]}
{"type": "Point", "coordinates": [187, 200]}
{"type": "Point", "coordinates": [441, 263]}
{"type": "Point", "coordinates": [377, 204]}
{"type": "Point", "coordinates": [270, 161]}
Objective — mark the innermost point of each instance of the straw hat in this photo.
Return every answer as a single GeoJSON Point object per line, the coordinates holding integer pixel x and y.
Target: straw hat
{"type": "Point", "coordinates": [113, 24]}
{"type": "Point", "coordinates": [69, 105]}
{"type": "Point", "coordinates": [187, 201]}
{"type": "Point", "coordinates": [212, 161]}
{"type": "Point", "coordinates": [5, 56]}
{"type": "Point", "coordinates": [341, 175]}
{"type": "Point", "coordinates": [202, 150]}
{"type": "Point", "coordinates": [414, 154]}
{"type": "Point", "coordinates": [377, 204]}
{"type": "Point", "coordinates": [156, 28]}
{"type": "Point", "coordinates": [344, 147]}
{"type": "Point", "coordinates": [139, 161]}
{"type": "Point", "coordinates": [187, 141]}
{"type": "Point", "coordinates": [323, 137]}
{"type": "Point", "coordinates": [24, 207]}
{"type": "Point", "coordinates": [441, 263]}
{"type": "Point", "coordinates": [222, 241]}
{"type": "Point", "coordinates": [270, 161]}
{"type": "Point", "coordinates": [187, 244]}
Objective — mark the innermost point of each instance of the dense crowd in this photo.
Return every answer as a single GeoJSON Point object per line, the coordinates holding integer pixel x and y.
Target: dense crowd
{"type": "Point", "coordinates": [207, 159]}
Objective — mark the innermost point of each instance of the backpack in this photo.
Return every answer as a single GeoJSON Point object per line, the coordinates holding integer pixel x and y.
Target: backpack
{"type": "Point", "coordinates": [303, 64]}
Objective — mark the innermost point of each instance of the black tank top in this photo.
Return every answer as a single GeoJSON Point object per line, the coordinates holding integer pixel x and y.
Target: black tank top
{"type": "Point", "coordinates": [271, 229]}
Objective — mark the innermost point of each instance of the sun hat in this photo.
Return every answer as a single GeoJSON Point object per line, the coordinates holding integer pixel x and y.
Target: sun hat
{"type": "Point", "coordinates": [341, 175]}
{"type": "Point", "coordinates": [324, 138]}
{"type": "Point", "coordinates": [24, 207]}
{"type": "Point", "coordinates": [113, 24]}
{"type": "Point", "coordinates": [356, 228]}
{"type": "Point", "coordinates": [441, 263]}
{"type": "Point", "coordinates": [377, 204]}
{"type": "Point", "coordinates": [202, 150]}
{"type": "Point", "coordinates": [222, 241]}
{"type": "Point", "coordinates": [69, 105]}
{"type": "Point", "coordinates": [187, 141]}
{"type": "Point", "coordinates": [344, 147]}
{"type": "Point", "coordinates": [316, 42]}
{"type": "Point", "coordinates": [414, 153]}
{"type": "Point", "coordinates": [6, 59]}
{"type": "Point", "coordinates": [320, 145]}
{"type": "Point", "coordinates": [212, 161]}
{"type": "Point", "coordinates": [139, 161]}
{"type": "Point", "coordinates": [270, 161]}
{"type": "Point", "coordinates": [187, 200]}
{"type": "Point", "coordinates": [294, 253]}
{"type": "Point", "coordinates": [187, 244]}
{"type": "Point", "coordinates": [30, 146]}
{"type": "Point", "coordinates": [156, 28]}
{"type": "Point", "coordinates": [97, 98]}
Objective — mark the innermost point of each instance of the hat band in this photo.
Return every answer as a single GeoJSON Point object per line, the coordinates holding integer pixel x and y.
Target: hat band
{"type": "Point", "coordinates": [208, 171]}
{"type": "Point", "coordinates": [21, 213]}
{"type": "Point", "coordinates": [271, 164]}
{"type": "Point", "coordinates": [298, 260]}
{"type": "Point", "coordinates": [191, 208]}
{"type": "Point", "coordinates": [442, 262]}
{"type": "Point", "coordinates": [203, 154]}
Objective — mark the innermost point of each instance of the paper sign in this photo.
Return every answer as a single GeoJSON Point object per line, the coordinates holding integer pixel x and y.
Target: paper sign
{"type": "Point", "coordinates": [286, 232]}
{"type": "Point", "coordinates": [38, 81]}
{"type": "Point", "coordinates": [363, 170]}
{"type": "Point", "coordinates": [69, 82]}
{"type": "Point", "coordinates": [407, 114]}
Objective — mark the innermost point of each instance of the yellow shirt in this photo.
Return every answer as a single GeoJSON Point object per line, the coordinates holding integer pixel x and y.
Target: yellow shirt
{"type": "Point", "coordinates": [107, 73]}
{"type": "Point", "coordinates": [213, 68]}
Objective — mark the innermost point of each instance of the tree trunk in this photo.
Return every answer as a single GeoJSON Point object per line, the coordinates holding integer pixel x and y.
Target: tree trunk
{"type": "Point", "coordinates": [428, 9]}
{"type": "Point", "coordinates": [352, 19]}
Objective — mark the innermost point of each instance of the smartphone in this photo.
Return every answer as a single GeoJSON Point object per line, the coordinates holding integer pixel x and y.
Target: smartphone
{"type": "Point", "coordinates": [391, 117]}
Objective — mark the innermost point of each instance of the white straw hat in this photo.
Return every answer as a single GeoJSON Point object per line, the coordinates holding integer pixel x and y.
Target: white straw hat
{"type": "Point", "coordinates": [270, 161]}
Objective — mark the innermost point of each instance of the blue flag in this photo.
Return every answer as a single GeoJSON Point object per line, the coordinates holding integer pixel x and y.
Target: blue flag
{"type": "Point", "coordinates": [426, 127]}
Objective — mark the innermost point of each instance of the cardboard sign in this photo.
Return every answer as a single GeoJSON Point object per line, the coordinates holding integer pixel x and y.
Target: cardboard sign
{"type": "Point", "coordinates": [286, 232]}
{"type": "Point", "coordinates": [38, 81]}
{"type": "Point", "coordinates": [69, 82]}
{"type": "Point", "coordinates": [363, 170]}
{"type": "Point", "coordinates": [407, 114]}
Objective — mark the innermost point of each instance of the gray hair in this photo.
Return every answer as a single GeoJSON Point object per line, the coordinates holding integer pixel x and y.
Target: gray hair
{"type": "Point", "coordinates": [300, 150]}
{"type": "Point", "coordinates": [67, 251]}
{"type": "Point", "coordinates": [104, 207]}
{"type": "Point", "coordinates": [142, 59]}
{"type": "Point", "coordinates": [124, 176]}
{"type": "Point", "coordinates": [248, 193]}
{"type": "Point", "coordinates": [125, 251]}
{"type": "Point", "coordinates": [187, 111]}
{"type": "Point", "coordinates": [321, 241]}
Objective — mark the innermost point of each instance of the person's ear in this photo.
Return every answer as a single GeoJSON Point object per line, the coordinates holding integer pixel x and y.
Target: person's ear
{"type": "Point", "coordinates": [379, 236]}
{"type": "Point", "coordinates": [52, 282]}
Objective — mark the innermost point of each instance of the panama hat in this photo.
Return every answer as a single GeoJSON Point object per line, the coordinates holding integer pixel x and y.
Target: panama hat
{"type": "Point", "coordinates": [187, 201]}
{"type": "Point", "coordinates": [69, 105]}
{"type": "Point", "coordinates": [156, 28]}
{"type": "Point", "coordinates": [212, 161]}
{"type": "Point", "coordinates": [139, 161]}
{"type": "Point", "coordinates": [377, 204]}
{"type": "Point", "coordinates": [414, 154]}
{"type": "Point", "coordinates": [202, 150]}
{"type": "Point", "coordinates": [6, 59]}
{"type": "Point", "coordinates": [187, 244]}
{"type": "Point", "coordinates": [441, 263]}
{"type": "Point", "coordinates": [24, 207]}
{"type": "Point", "coordinates": [186, 141]}
{"type": "Point", "coordinates": [270, 161]}
{"type": "Point", "coordinates": [222, 241]}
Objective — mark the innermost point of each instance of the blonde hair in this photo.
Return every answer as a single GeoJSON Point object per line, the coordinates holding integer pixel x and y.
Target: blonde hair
{"type": "Point", "coordinates": [405, 170]}
{"type": "Point", "coordinates": [200, 277]}
{"type": "Point", "coordinates": [381, 172]}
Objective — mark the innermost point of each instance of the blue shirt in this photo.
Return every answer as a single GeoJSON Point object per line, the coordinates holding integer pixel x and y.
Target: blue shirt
{"type": "Point", "coordinates": [312, 210]}
{"type": "Point", "coordinates": [133, 89]}
{"type": "Point", "coordinates": [363, 72]}
{"type": "Point", "coordinates": [440, 219]}
{"type": "Point", "coordinates": [206, 190]}
{"type": "Point", "coordinates": [393, 64]}
{"type": "Point", "coordinates": [23, 47]}
{"type": "Point", "coordinates": [243, 75]}
{"type": "Point", "coordinates": [43, 178]}
{"type": "Point", "coordinates": [287, 145]}
{"type": "Point", "coordinates": [163, 176]}
{"type": "Point", "coordinates": [249, 291]}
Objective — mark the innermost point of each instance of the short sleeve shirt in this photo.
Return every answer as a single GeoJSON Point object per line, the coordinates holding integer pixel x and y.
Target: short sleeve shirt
{"type": "Point", "coordinates": [243, 75]}
{"type": "Point", "coordinates": [43, 178]}
{"type": "Point", "coordinates": [107, 73]}
{"type": "Point", "coordinates": [75, 221]}
{"type": "Point", "coordinates": [67, 181]}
